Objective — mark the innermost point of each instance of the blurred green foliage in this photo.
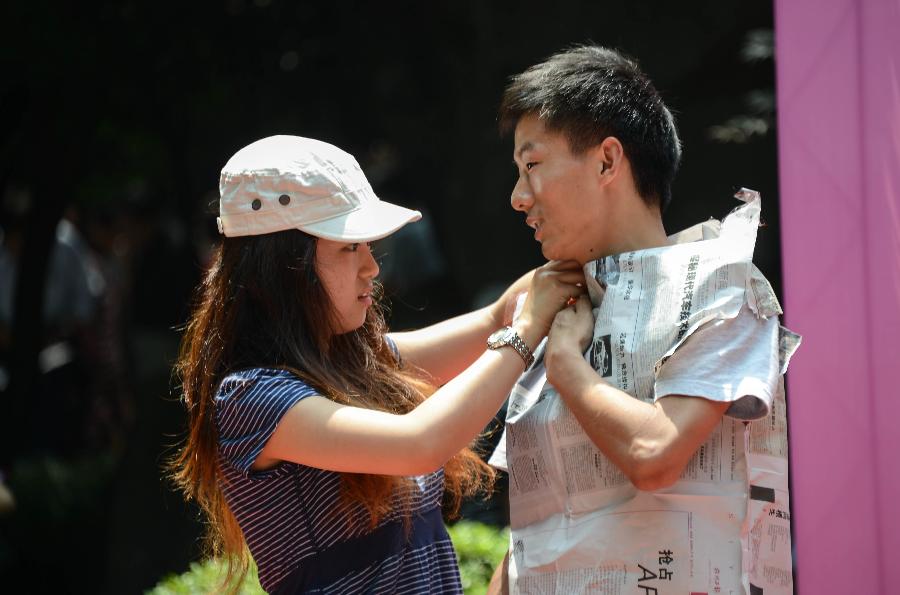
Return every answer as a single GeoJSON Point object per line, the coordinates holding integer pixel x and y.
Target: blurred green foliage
{"type": "Point", "coordinates": [479, 547]}
{"type": "Point", "coordinates": [205, 577]}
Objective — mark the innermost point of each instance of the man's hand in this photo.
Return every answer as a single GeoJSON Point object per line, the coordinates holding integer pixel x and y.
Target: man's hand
{"type": "Point", "coordinates": [570, 334]}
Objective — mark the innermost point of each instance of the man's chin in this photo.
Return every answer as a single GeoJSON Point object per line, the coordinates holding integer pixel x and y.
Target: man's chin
{"type": "Point", "coordinates": [549, 253]}
{"type": "Point", "coordinates": [546, 251]}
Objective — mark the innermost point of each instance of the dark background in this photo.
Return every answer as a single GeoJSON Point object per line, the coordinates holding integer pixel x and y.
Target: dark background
{"type": "Point", "coordinates": [118, 116]}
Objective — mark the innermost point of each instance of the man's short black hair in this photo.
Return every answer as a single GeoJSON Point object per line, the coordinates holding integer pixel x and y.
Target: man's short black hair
{"type": "Point", "coordinates": [589, 93]}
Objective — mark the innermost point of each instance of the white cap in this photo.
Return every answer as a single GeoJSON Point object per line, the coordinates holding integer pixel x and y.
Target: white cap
{"type": "Point", "coordinates": [291, 182]}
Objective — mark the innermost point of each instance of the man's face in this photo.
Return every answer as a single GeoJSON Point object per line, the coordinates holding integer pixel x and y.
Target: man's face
{"type": "Point", "coordinates": [555, 191]}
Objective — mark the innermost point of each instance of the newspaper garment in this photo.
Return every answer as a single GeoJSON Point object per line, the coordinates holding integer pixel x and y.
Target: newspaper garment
{"type": "Point", "coordinates": [578, 524]}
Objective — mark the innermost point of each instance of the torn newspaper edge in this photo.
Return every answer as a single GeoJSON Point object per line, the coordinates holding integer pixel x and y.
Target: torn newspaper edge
{"type": "Point", "coordinates": [578, 524]}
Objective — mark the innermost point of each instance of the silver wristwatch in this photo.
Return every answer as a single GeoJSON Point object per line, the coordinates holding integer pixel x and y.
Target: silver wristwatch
{"type": "Point", "coordinates": [507, 336]}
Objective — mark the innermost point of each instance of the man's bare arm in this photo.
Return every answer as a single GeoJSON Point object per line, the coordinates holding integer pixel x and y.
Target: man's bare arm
{"type": "Point", "coordinates": [650, 442]}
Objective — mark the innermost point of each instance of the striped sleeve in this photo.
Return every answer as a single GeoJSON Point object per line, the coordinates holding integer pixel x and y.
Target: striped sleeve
{"type": "Point", "coordinates": [248, 410]}
{"type": "Point", "coordinates": [392, 345]}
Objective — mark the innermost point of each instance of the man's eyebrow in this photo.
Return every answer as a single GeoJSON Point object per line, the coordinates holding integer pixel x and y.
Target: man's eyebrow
{"type": "Point", "coordinates": [525, 147]}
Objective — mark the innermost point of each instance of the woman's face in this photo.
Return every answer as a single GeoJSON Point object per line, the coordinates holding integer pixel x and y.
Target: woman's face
{"type": "Point", "coordinates": [346, 272]}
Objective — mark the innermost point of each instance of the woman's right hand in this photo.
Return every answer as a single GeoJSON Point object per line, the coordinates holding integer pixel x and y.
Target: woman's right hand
{"type": "Point", "coordinates": [552, 286]}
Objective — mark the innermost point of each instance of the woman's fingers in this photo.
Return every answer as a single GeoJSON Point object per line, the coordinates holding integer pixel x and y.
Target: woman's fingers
{"type": "Point", "coordinates": [548, 295]}
{"type": "Point", "coordinates": [565, 271]}
{"type": "Point", "coordinates": [553, 287]}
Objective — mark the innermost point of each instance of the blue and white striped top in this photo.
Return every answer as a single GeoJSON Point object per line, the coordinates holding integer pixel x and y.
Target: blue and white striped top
{"type": "Point", "coordinates": [303, 537]}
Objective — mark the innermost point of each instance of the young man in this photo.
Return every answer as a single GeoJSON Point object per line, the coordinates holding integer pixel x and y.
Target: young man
{"type": "Point", "coordinates": [631, 469]}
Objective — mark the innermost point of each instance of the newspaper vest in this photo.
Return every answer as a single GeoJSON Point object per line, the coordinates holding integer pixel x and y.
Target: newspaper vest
{"type": "Point", "coordinates": [578, 525]}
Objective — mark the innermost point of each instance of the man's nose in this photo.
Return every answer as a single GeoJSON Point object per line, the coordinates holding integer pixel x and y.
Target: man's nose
{"type": "Point", "coordinates": [521, 198]}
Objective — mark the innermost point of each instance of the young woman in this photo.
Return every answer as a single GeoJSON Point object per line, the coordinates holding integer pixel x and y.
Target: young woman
{"type": "Point", "coordinates": [316, 440]}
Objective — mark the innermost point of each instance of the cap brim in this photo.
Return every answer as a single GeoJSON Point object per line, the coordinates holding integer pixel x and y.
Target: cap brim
{"type": "Point", "coordinates": [373, 221]}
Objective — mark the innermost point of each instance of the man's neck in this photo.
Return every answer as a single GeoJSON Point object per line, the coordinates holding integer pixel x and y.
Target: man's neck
{"type": "Point", "coordinates": [633, 226]}
{"type": "Point", "coordinates": [641, 234]}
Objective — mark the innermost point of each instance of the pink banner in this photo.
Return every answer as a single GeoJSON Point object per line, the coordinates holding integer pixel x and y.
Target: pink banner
{"type": "Point", "coordinates": [838, 75]}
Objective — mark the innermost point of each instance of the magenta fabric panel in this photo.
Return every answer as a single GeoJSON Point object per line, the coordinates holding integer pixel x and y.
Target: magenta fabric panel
{"type": "Point", "coordinates": [838, 88]}
{"type": "Point", "coordinates": [880, 65]}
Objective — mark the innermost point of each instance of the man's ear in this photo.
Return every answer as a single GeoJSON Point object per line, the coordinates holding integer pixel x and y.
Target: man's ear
{"type": "Point", "coordinates": [609, 156]}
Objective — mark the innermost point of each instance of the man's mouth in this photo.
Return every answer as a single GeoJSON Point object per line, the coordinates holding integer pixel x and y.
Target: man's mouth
{"type": "Point", "coordinates": [536, 225]}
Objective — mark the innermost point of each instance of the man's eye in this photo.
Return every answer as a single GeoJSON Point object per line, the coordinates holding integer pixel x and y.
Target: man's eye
{"type": "Point", "coordinates": [530, 165]}
{"type": "Point", "coordinates": [353, 247]}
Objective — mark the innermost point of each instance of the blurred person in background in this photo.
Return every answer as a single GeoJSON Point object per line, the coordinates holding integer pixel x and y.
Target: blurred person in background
{"type": "Point", "coordinates": [73, 291]}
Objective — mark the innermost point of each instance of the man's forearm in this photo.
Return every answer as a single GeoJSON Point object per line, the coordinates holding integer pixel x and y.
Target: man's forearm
{"type": "Point", "coordinates": [614, 421]}
{"type": "Point", "coordinates": [650, 442]}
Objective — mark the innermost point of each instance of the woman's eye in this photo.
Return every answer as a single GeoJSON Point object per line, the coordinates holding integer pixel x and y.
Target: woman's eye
{"type": "Point", "coordinates": [355, 247]}
{"type": "Point", "coordinates": [530, 165]}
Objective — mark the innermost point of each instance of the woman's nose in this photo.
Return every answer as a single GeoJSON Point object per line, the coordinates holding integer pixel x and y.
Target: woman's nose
{"type": "Point", "coordinates": [370, 265]}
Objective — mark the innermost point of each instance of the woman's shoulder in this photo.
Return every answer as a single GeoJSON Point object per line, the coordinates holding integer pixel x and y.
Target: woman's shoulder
{"type": "Point", "coordinates": [240, 381]}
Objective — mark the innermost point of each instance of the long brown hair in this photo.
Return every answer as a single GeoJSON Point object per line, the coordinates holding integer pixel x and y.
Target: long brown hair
{"type": "Point", "coordinates": [261, 305]}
